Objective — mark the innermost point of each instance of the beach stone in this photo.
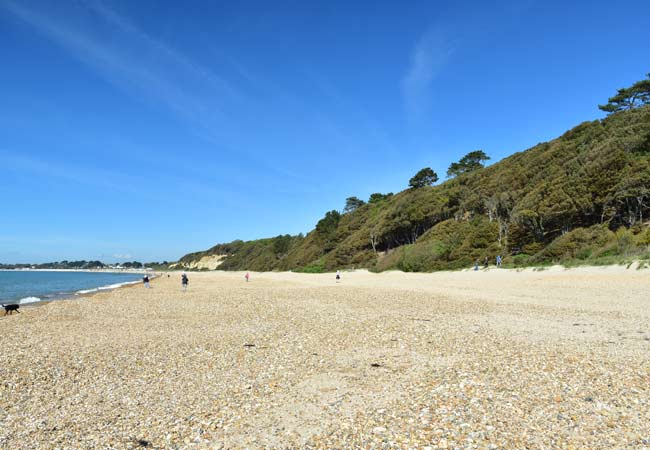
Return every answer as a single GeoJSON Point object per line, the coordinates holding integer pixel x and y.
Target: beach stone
{"type": "Point", "coordinates": [494, 365]}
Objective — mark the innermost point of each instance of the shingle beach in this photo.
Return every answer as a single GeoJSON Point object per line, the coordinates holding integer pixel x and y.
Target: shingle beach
{"type": "Point", "coordinates": [496, 359]}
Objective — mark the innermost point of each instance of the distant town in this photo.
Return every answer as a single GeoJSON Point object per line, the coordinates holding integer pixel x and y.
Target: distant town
{"type": "Point", "coordinates": [87, 265]}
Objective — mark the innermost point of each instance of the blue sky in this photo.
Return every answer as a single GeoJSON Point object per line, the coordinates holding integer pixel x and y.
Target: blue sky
{"type": "Point", "coordinates": [146, 130]}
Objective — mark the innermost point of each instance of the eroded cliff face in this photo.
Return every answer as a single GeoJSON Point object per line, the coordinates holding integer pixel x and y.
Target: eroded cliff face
{"type": "Point", "coordinates": [211, 262]}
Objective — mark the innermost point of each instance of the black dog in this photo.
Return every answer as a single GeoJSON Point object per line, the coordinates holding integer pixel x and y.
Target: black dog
{"type": "Point", "coordinates": [9, 309]}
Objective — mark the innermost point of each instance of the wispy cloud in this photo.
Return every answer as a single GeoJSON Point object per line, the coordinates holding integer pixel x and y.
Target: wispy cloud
{"type": "Point", "coordinates": [129, 58]}
{"type": "Point", "coordinates": [219, 112]}
{"type": "Point", "coordinates": [77, 174]}
{"type": "Point", "coordinates": [222, 112]}
{"type": "Point", "coordinates": [99, 178]}
{"type": "Point", "coordinates": [114, 48]}
{"type": "Point", "coordinates": [428, 58]}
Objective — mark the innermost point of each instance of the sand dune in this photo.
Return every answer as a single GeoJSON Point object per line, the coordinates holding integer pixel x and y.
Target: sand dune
{"type": "Point", "coordinates": [489, 359]}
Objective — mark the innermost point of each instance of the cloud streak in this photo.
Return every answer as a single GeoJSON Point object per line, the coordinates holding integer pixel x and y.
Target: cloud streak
{"type": "Point", "coordinates": [235, 117]}
{"type": "Point", "coordinates": [210, 107]}
{"type": "Point", "coordinates": [218, 112]}
{"type": "Point", "coordinates": [113, 180]}
{"type": "Point", "coordinates": [132, 60]}
{"type": "Point", "coordinates": [430, 55]}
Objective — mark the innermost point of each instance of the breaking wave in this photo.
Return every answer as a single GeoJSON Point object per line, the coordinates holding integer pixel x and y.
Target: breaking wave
{"type": "Point", "coordinates": [105, 288]}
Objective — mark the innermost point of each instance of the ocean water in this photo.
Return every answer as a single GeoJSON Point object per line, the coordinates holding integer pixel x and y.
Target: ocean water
{"type": "Point", "coordinates": [35, 286]}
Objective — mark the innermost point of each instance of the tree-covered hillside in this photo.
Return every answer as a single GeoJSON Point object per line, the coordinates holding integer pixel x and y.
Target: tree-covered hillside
{"type": "Point", "coordinates": [582, 196]}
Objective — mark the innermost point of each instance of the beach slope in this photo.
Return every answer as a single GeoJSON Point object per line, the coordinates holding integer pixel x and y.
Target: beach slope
{"type": "Point", "coordinates": [490, 359]}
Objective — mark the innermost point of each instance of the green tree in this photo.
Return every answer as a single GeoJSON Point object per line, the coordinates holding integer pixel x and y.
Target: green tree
{"type": "Point", "coordinates": [352, 203]}
{"type": "Point", "coordinates": [281, 244]}
{"type": "Point", "coordinates": [377, 197]}
{"type": "Point", "coordinates": [133, 265]}
{"type": "Point", "coordinates": [468, 163]}
{"type": "Point", "coordinates": [326, 230]}
{"type": "Point", "coordinates": [425, 177]}
{"type": "Point", "coordinates": [627, 98]}
{"type": "Point", "coordinates": [328, 224]}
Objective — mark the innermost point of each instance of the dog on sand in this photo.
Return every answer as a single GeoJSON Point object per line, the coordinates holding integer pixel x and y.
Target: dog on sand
{"type": "Point", "coordinates": [9, 309]}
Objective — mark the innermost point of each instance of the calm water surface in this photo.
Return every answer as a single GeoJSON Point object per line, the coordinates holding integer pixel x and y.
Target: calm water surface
{"type": "Point", "coordinates": [31, 286]}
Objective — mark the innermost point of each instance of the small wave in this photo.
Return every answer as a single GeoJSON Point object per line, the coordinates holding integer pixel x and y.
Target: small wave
{"type": "Point", "coordinates": [86, 291]}
{"type": "Point", "coordinates": [26, 300]}
{"type": "Point", "coordinates": [105, 288]}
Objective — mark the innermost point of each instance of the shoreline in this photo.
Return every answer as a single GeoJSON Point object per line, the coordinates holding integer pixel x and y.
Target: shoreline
{"type": "Point", "coordinates": [88, 293]}
{"type": "Point", "coordinates": [82, 293]}
{"type": "Point", "coordinates": [81, 270]}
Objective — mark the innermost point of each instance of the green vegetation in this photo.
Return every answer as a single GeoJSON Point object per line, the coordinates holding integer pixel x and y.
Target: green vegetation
{"type": "Point", "coordinates": [88, 265]}
{"type": "Point", "coordinates": [156, 265]}
{"type": "Point", "coordinates": [377, 197]}
{"type": "Point", "coordinates": [583, 198]}
{"type": "Point", "coordinates": [260, 255]}
{"type": "Point", "coordinates": [352, 204]}
{"type": "Point", "coordinates": [628, 98]}
{"type": "Point", "coordinates": [468, 163]}
{"type": "Point", "coordinates": [56, 265]}
{"type": "Point", "coordinates": [425, 177]}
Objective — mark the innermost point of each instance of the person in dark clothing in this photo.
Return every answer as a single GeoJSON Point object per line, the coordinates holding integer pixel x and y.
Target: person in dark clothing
{"type": "Point", "coordinates": [486, 262]}
{"type": "Point", "coordinates": [184, 282]}
{"type": "Point", "coordinates": [145, 280]}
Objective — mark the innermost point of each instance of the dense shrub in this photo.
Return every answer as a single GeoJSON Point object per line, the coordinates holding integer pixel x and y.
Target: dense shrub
{"type": "Point", "coordinates": [581, 197]}
{"type": "Point", "coordinates": [579, 243]}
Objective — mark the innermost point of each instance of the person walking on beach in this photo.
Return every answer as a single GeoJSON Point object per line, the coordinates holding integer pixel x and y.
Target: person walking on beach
{"type": "Point", "coordinates": [498, 260]}
{"type": "Point", "coordinates": [476, 265]}
{"type": "Point", "coordinates": [486, 261]}
{"type": "Point", "coordinates": [184, 281]}
{"type": "Point", "coordinates": [247, 276]}
{"type": "Point", "coordinates": [145, 280]}
{"type": "Point", "coordinates": [338, 276]}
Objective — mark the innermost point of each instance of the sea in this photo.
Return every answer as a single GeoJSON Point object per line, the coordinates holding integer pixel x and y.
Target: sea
{"type": "Point", "coordinates": [32, 286]}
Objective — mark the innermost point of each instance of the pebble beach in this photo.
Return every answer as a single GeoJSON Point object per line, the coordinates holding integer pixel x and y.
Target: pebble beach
{"type": "Point", "coordinates": [494, 359]}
